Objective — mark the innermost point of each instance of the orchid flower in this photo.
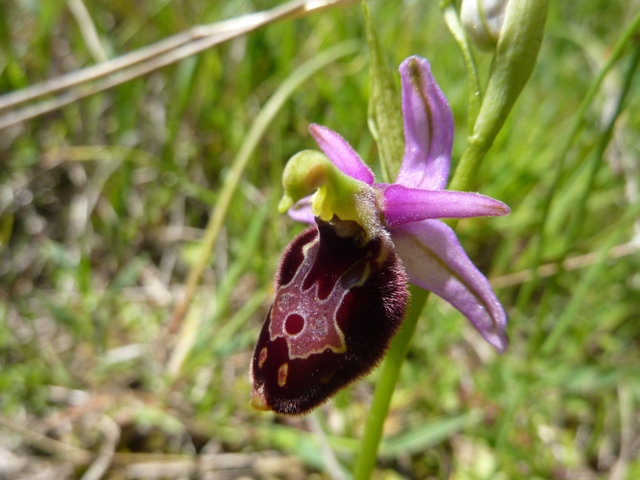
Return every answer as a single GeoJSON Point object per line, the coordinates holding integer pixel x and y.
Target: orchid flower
{"type": "Point", "coordinates": [429, 249]}
{"type": "Point", "coordinates": [371, 237]}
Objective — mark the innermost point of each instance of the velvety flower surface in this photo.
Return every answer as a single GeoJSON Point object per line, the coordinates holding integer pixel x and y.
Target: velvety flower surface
{"type": "Point", "coordinates": [339, 301]}
{"type": "Point", "coordinates": [410, 209]}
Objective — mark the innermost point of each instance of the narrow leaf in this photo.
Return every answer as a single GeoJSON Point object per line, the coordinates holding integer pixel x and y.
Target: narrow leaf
{"type": "Point", "coordinates": [385, 113]}
{"type": "Point", "coordinates": [430, 433]}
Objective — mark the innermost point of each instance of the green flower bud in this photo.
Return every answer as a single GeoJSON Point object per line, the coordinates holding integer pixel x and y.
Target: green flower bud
{"type": "Point", "coordinates": [482, 20]}
{"type": "Point", "coordinates": [513, 63]}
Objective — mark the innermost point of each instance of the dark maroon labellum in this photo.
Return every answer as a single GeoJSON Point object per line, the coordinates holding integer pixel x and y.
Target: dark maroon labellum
{"type": "Point", "coordinates": [339, 302]}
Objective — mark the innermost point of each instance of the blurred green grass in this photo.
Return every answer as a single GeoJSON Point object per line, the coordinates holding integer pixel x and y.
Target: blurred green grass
{"type": "Point", "coordinates": [104, 204]}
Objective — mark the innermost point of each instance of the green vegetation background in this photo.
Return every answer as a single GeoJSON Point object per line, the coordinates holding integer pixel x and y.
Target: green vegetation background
{"type": "Point", "coordinates": [103, 205]}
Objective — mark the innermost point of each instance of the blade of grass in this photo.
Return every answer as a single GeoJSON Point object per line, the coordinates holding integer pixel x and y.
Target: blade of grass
{"type": "Point", "coordinates": [580, 210]}
{"type": "Point", "coordinates": [384, 113]}
{"type": "Point", "coordinates": [583, 288]}
{"type": "Point", "coordinates": [578, 120]}
{"type": "Point", "coordinates": [422, 436]}
{"type": "Point", "coordinates": [596, 159]}
{"type": "Point", "coordinates": [474, 94]}
{"type": "Point", "coordinates": [88, 30]}
{"type": "Point", "coordinates": [146, 60]}
{"type": "Point", "coordinates": [190, 344]}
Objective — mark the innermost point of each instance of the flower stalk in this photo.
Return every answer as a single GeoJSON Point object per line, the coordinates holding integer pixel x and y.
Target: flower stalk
{"type": "Point", "coordinates": [386, 384]}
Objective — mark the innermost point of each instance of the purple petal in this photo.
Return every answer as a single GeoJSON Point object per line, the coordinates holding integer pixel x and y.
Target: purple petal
{"type": "Point", "coordinates": [301, 211]}
{"type": "Point", "coordinates": [435, 261]}
{"type": "Point", "coordinates": [341, 154]}
{"type": "Point", "coordinates": [428, 128]}
{"type": "Point", "coordinates": [403, 205]}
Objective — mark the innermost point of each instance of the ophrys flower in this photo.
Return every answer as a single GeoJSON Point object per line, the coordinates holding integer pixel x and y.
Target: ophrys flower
{"type": "Point", "coordinates": [341, 289]}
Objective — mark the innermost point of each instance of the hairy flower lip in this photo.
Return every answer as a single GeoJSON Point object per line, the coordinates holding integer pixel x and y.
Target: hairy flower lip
{"type": "Point", "coordinates": [411, 207]}
{"type": "Point", "coordinates": [339, 300]}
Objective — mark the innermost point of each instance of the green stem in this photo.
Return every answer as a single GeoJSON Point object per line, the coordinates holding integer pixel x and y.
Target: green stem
{"type": "Point", "coordinates": [386, 384]}
{"type": "Point", "coordinates": [467, 170]}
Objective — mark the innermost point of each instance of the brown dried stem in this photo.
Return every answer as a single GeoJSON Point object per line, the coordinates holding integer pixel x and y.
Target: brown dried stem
{"type": "Point", "coordinates": [103, 76]}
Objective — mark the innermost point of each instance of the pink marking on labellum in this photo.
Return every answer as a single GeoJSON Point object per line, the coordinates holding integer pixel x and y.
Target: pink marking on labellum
{"type": "Point", "coordinates": [314, 300]}
{"type": "Point", "coordinates": [339, 301]}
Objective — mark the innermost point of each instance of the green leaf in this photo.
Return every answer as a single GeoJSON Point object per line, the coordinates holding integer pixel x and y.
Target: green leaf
{"type": "Point", "coordinates": [385, 112]}
{"type": "Point", "coordinates": [429, 433]}
{"type": "Point", "coordinates": [300, 443]}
